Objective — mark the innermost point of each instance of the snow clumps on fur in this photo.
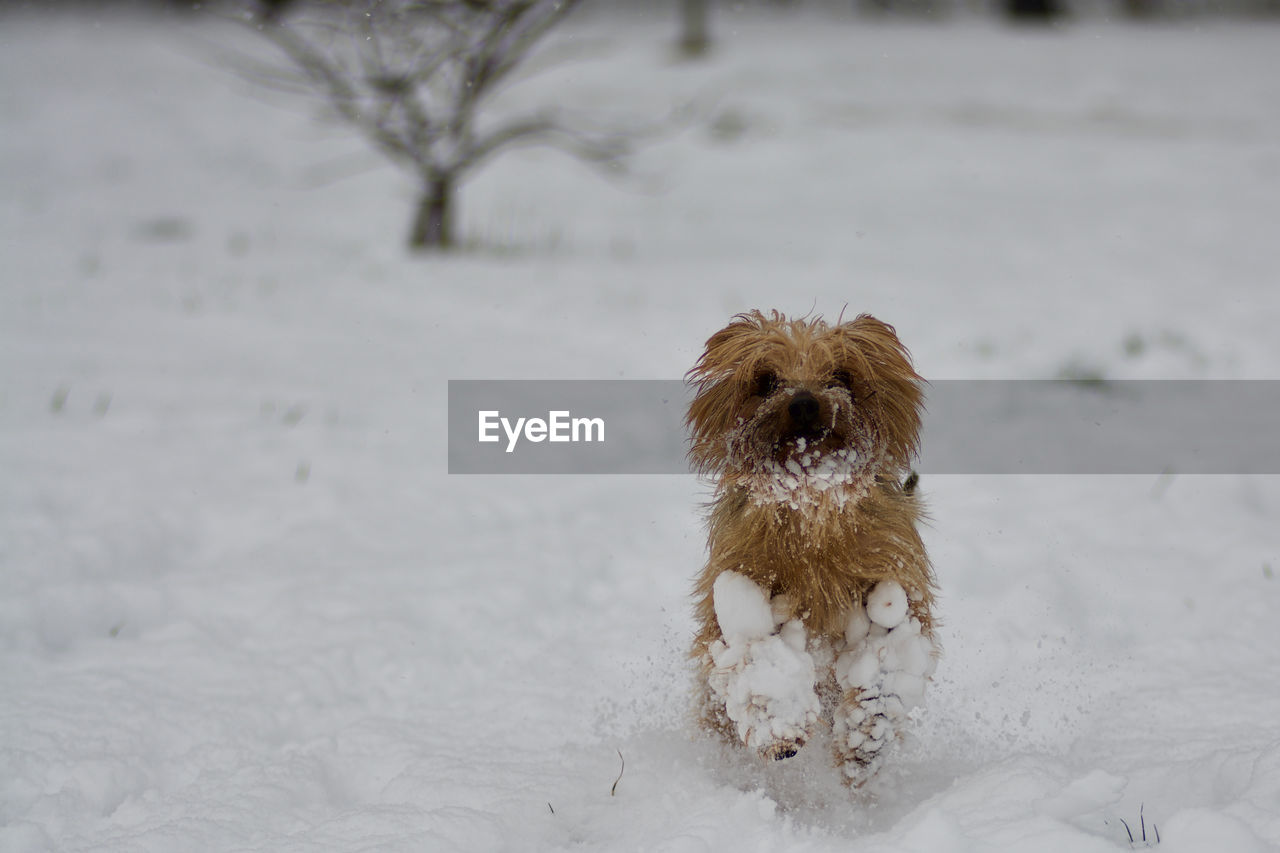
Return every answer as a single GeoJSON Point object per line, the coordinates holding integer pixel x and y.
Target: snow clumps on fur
{"type": "Point", "coordinates": [762, 672]}
{"type": "Point", "coordinates": [883, 670]}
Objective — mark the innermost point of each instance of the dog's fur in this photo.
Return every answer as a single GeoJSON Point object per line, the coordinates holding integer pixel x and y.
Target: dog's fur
{"type": "Point", "coordinates": [808, 430]}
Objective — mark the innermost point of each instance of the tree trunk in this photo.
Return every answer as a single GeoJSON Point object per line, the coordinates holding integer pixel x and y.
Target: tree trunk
{"type": "Point", "coordinates": [1033, 11]}
{"type": "Point", "coordinates": [433, 223]}
{"type": "Point", "coordinates": [1140, 8]}
{"type": "Point", "coordinates": [694, 37]}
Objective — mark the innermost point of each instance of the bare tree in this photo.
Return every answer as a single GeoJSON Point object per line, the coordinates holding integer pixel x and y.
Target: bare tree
{"type": "Point", "coordinates": [413, 77]}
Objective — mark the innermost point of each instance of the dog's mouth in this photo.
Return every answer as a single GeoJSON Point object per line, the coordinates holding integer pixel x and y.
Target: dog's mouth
{"type": "Point", "coordinates": [810, 436]}
{"type": "Point", "coordinates": [806, 445]}
{"type": "Point", "coordinates": [802, 470]}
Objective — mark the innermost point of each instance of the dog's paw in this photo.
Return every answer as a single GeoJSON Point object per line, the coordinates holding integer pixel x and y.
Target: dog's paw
{"type": "Point", "coordinates": [767, 687]}
{"type": "Point", "coordinates": [781, 750]}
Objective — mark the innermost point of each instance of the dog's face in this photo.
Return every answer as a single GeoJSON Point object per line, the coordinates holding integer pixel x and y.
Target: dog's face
{"type": "Point", "coordinates": [794, 408]}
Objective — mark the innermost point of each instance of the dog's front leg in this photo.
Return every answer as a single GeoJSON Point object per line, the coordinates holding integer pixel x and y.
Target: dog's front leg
{"type": "Point", "coordinates": [882, 672]}
{"type": "Point", "coordinates": [759, 671]}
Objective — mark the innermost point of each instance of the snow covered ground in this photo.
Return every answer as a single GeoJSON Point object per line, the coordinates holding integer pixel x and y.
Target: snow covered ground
{"type": "Point", "coordinates": [243, 607]}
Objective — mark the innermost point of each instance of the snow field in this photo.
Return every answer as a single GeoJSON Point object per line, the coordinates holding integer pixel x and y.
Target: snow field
{"type": "Point", "coordinates": [243, 607]}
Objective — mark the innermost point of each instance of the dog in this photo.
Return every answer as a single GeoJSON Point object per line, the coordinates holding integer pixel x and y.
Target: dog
{"type": "Point", "coordinates": [814, 609]}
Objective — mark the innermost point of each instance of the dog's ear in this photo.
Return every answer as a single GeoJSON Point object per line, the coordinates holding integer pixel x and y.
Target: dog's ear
{"type": "Point", "coordinates": [871, 343]}
{"type": "Point", "coordinates": [717, 377]}
{"type": "Point", "coordinates": [727, 348]}
{"type": "Point", "coordinates": [871, 352]}
{"type": "Point", "coordinates": [870, 349]}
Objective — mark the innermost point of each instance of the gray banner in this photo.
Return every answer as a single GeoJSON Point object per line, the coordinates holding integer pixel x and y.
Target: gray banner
{"type": "Point", "coordinates": [970, 427]}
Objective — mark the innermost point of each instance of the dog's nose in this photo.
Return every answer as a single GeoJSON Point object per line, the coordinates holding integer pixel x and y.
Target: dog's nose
{"type": "Point", "coordinates": [804, 410]}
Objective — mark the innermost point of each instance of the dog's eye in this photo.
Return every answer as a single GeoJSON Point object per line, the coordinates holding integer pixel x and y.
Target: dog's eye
{"type": "Point", "coordinates": [841, 378]}
{"type": "Point", "coordinates": [766, 384]}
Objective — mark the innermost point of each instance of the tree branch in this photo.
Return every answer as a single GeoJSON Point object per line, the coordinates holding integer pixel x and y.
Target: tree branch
{"type": "Point", "coordinates": [341, 95]}
{"type": "Point", "coordinates": [601, 149]}
{"type": "Point", "coordinates": [507, 41]}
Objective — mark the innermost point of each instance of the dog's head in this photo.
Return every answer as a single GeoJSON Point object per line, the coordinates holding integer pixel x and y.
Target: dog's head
{"type": "Point", "coordinates": [796, 408]}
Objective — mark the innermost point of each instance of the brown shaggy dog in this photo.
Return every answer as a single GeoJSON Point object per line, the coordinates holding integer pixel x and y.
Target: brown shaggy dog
{"type": "Point", "coordinates": [815, 604]}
